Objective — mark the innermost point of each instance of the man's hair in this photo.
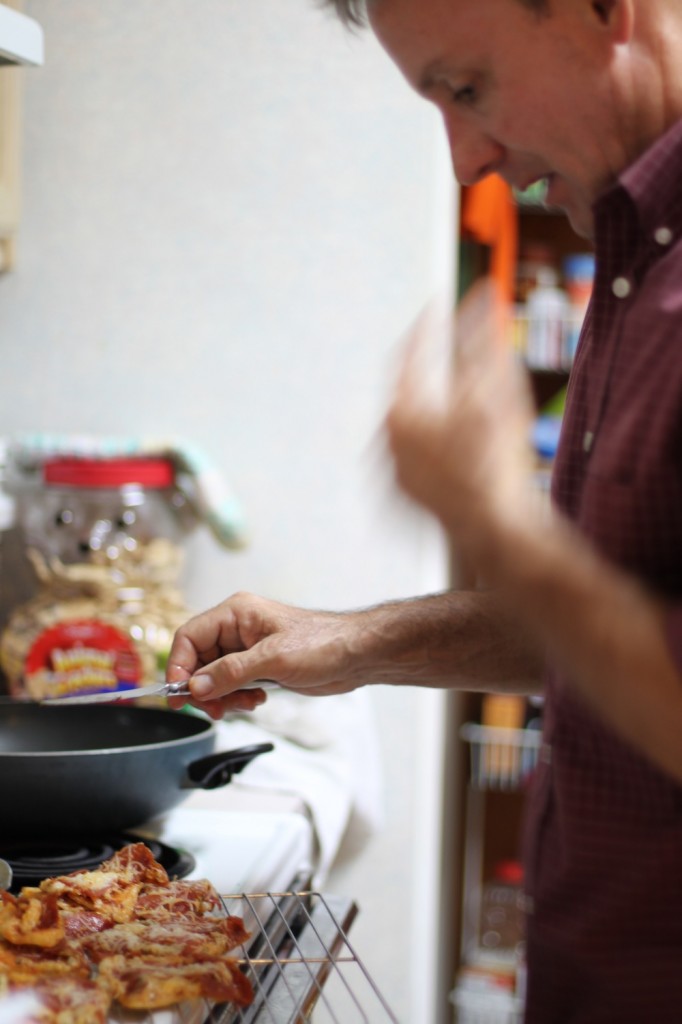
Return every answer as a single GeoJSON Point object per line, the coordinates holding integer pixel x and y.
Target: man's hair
{"type": "Point", "coordinates": [353, 13]}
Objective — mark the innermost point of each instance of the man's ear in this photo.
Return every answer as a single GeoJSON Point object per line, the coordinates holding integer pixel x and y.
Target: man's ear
{"type": "Point", "coordinates": [617, 16]}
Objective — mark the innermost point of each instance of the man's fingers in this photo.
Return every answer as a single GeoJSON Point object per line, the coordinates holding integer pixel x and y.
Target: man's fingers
{"type": "Point", "coordinates": [479, 324]}
{"type": "Point", "coordinates": [201, 640]}
{"type": "Point", "coordinates": [426, 360]}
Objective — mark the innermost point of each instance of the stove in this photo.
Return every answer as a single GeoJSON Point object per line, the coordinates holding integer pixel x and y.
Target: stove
{"type": "Point", "coordinates": [33, 860]}
{"type": "Point", "coordinates": [237, 852]}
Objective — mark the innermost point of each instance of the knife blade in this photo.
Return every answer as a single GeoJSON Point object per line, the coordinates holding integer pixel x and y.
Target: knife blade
{"type": "Point", "coordinates": [160, 689]}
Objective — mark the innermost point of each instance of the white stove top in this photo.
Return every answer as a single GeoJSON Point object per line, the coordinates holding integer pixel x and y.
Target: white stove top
{"type": "Point", "coordinates": [240, 852]}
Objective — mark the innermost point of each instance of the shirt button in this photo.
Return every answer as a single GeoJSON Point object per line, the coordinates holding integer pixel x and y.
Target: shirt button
{"type": "Point", "coordinates": [621, 287]}
{"type": "Point", "coordinates": [663, 236]}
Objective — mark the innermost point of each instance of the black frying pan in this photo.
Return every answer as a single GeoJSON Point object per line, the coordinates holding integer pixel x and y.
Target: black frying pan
{"type": "Point", "coordinates": [96, 768]}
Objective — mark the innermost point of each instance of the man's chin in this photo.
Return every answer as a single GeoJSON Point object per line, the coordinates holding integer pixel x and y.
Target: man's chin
{"type": "Point", "coordinates": [582, 223]}
{"type": "Point", "coordinates": [580, 219]}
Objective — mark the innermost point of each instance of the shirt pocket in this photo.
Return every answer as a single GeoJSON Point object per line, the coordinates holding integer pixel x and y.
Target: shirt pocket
{"type": "Point", "coordinates": [632, 512]}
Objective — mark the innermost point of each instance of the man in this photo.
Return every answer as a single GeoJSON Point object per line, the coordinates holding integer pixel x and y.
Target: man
{"type": "Point", "coordinates": [586, 94]}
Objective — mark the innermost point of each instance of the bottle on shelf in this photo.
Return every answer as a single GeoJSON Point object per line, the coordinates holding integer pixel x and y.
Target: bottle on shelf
{"type": "Point", "coordinates": [533, 257]}
{"type": "Point", "coordinates": [548, 309]}
{"type": "Point", "coordinates": [579, 278]}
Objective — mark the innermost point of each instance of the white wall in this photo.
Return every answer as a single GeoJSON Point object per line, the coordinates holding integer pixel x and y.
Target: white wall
{"type": "Point", "coordinates": [229, 218]}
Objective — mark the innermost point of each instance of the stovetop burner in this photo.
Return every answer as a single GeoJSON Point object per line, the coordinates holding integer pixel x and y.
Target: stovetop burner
{"type": "Point", "coordinates": [33, 860]}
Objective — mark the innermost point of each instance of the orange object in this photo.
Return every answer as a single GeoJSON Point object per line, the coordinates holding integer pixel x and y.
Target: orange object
{"type": "Point", "coordinates": [489, 216]}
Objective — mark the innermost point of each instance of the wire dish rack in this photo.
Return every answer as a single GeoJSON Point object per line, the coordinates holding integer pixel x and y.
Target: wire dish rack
{"type": "Point", "coordinates": [501, 758]}
{"type": "Point", "coordinates": [300, 963]}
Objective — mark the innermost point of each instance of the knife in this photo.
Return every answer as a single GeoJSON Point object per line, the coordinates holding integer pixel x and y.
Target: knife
{"type": "Point", "coordinates": [153, 690]}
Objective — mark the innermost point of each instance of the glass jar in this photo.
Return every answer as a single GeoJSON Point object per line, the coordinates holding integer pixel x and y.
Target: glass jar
{"type": "Point", "coordinates": [104, 536]}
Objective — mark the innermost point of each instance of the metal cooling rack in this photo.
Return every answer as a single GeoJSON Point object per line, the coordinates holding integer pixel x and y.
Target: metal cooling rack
{"type": "Point", "coordinates": [299, 961]}
{"type": "Point", "coordinates": [301, 964]}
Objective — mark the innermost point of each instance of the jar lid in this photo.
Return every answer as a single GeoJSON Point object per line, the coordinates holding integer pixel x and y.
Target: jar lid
{"type": "Point", "coordinates": [117, 472]}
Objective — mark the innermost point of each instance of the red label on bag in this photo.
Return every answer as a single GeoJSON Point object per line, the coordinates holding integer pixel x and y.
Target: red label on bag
{"type": "Point", "coordinates": [81, 656]}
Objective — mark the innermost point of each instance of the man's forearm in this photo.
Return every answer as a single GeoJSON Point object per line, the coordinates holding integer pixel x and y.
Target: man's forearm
{"type": "Point", "coordinates": [461, 639]}
{"type": "Point", "coordinates": [600, 626]}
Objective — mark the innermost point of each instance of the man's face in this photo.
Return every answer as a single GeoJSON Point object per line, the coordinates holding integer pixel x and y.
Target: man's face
{"type": "Point", "coordinates": [523, 94]}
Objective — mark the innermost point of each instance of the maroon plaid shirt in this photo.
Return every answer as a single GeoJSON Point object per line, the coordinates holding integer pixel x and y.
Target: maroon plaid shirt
{"type": "Point", "coordinates": [603, 839]}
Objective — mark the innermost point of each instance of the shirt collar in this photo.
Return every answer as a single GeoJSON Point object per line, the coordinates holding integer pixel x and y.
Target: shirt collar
{"type": "Point", "coordinates": [640, 216]}
{"type": "Point", "coordinates": [653, 182]}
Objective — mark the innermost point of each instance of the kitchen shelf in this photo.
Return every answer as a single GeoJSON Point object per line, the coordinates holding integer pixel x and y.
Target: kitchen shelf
{"type": "Point", "coordinates": [545, 346]}
{"type": "Point", "coordinates": [500, 758]}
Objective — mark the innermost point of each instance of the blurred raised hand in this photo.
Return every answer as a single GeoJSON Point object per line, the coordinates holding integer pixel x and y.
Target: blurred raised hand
{"type": "Point", "coordinates": [462, 449]}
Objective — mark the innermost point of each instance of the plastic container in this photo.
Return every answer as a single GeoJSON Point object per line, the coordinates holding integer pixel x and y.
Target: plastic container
{"type": "Point", "coordinates": [104, 537]}
{"type": "Point", "coordinates": [100, 511]}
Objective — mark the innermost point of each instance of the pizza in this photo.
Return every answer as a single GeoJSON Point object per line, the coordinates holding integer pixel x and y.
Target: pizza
{"type": "Point", "coordinates": [186, 899]}
{"type": "Point", "coordinates": [145, 983]}
{"type": "Point", "coordinates": [111, 890]}
{"type": "Point", "coordinates": [187, 939]}
{"type": "Point", "coordinates": [123, 934]}
{"type": "Point", "coordinates": [30, 919]}
{"type": "Point", "coordinates": [64, 999]}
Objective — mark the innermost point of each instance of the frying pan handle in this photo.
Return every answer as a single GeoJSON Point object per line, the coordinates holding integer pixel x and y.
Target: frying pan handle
{"type": "Point", "coordinates": [217, 769]}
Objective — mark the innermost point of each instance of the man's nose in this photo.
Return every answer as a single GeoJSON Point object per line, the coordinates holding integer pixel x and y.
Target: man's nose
{"type": "Point", "coordinates": [474, 154]}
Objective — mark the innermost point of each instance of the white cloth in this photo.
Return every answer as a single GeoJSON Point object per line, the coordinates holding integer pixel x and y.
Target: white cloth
{"type": "Point", "coordinates": [326, 753]}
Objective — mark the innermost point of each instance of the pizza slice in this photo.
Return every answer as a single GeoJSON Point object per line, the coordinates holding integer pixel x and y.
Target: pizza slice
{"type": "Point", "coordinates": [112, 889]}
{"type": "Point", "coordinates": [180, 898]}
{"type": "Point", "coordinates": [30, 919]}
{"type": "Point", "coordinates": [182, 941]}
{"type": "Point", "coordinates": [134, 863]}
{"type": "Point", "coordinates": [148, 983]}
{"type": "Point", "coordinates": [67, 999]}
{"type": "Point", "coordinates": [23, 965]}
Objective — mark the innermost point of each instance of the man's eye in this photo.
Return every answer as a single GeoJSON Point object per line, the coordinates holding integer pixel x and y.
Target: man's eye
{"type": "Point", "coordinates": [463, 95]}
